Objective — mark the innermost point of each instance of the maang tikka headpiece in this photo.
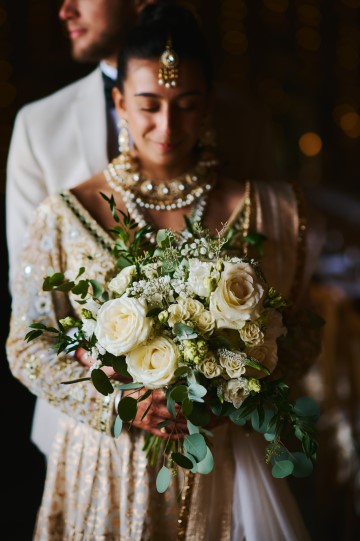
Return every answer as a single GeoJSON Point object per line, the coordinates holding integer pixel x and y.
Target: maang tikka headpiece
{"type": "Point", "coordinates": [169, 62]}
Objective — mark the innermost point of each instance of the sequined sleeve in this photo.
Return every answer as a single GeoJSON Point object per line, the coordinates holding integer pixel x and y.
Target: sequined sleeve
{"type": "Point", "coordinates": [35, 364]}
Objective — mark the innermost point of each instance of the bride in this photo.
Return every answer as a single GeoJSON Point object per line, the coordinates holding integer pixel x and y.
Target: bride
{"type": "Point", "coordinates": [99, 487]}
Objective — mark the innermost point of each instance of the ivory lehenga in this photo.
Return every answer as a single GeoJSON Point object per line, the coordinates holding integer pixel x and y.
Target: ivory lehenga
{"type": "Point", "coordinates": [99, 488]}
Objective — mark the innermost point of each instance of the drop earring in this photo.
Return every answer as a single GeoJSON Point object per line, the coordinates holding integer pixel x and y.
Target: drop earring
{"type": "Point", "coordinates": [207, 146]}
{"type": "Point", "coordinates": [124, 159]}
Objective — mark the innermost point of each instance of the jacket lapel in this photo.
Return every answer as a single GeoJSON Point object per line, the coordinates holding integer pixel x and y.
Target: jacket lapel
{"type": "Point", "coordinates": [90, 112]}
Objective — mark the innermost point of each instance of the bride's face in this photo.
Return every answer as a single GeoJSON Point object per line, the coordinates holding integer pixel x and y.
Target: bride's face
{"type": "Point", "coordinates": [165, 123]}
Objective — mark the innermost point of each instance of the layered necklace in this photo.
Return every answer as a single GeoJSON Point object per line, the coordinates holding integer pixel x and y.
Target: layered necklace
{"type": "Point", "coordinates": [140, 193]}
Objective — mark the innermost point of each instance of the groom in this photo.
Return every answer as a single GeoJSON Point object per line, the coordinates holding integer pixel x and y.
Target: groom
{"type": "Point", "coordinates": [65, 138]}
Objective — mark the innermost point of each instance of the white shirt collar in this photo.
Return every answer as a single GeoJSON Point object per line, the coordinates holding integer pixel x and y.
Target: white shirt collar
{"type": "Point", "coordinates": [108, 70]}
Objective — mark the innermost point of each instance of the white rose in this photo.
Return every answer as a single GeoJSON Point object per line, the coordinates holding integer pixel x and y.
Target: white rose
{"type": "Point", "coordinates": [237, 297]}
{"type": "Point", "coordinates": [236, 391]}
{"type": "Point", "coordinates": [88, 327]}
{"type": "Point", "coordinates": [177, 314]}
{"type": "Point", "coordinates": [154, 363]}
{"type": "Point", "coordinates": [192, 306]}
{"type": "Point", "coordinates": [199, 271]}
{"type": "Point", "coordinates": [234, 366]}
{"type": "Point", "coordinates": [122, 280]}
{"type": "Point", "coordinates": [122, 325]}
{"type": "Point", "coordinates": [251, 334]}
{"type": "Point", "coordinates": [266, 354]}
{"type": "Point", "coordinates": [205, 322]}
{"type": "Point", "coordinates": [209, 367]}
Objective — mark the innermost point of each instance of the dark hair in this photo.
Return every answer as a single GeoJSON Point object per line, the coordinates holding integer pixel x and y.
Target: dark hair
{"type": "Point", "coordinates": [147, 40]}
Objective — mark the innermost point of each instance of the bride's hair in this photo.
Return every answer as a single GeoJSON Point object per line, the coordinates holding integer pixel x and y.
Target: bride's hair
{"type": "Point", "coordinates": [156, 24]}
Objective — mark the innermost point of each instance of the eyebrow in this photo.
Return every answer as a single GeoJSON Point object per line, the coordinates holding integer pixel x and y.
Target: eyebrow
{"type": "Point", "coordinates": [152, 95]}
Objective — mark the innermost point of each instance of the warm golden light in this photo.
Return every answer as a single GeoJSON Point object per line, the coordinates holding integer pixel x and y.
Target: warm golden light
{"type": "Point", "coordinates": [310, 144]}
{"type": "Point", "coordinates": [279, 6]}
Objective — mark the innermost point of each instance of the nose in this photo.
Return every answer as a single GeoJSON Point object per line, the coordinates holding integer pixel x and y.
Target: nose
{"type": "Point", "coordinates": [68, 9]}
{"type": "Point", "coordinates": [167, 120]}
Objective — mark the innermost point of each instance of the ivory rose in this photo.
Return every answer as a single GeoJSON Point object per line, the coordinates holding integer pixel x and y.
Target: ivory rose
{"type": "Point", "coordinates": [235, 366]}
{"type": "Point", "coordinates": [209, 367]}
{"type": "Point", "coordinates": [251, 334]}
{"type": "Point", "coordinates": [237, 297]}
{"type": "Point", "coordinates": [122, 325]}
{"type": "Point", "coordinates": [205, 322]}
{"type": "Point", "coordinates": [236, 390]}
{"type": "Point", "coordinates": [154, 363]}
{"type": "Point", "coordinates": [122, 280]}
{"type": "Point", "coordinates": [199, 272]}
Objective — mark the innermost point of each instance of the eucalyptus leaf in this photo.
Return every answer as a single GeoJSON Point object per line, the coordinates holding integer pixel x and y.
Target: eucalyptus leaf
{"type": "Point", "coordinates": [181, 371]}
{"type": "Point", "coordinates": [170, 404]}
{"type": "Point", "coordinates": [282, 468]}
{"type": "Point", "coordinates": [200, 415]}
{"type": "Point", "coordinates": [303, 466]}
{"type": "Point", "coordinates": [179, 393]}
{"type": "Point", "coordinates": [187, 407]}
{"type": "Point", "coordinates": [182, 460]}
{"type": "Point", "coordinates": [207, 464]}
{"type": "Point", "coordinates": [192, 428]}
{"type": "Point", "coordinates": [120, 366]}
{"type": "Point", "coordinates": [194, 463]}
{"type": "Point", "coordinates": [130, 386]}
{"type": "Point", "coordinates": [307, 407]}
{"type": "Point", "coordinates": [163, 238]}
{"type": "Point", "coordinates": [184, 332]}
{"type": "Point", "coordinates": [163, 479]}
{"type": "Point", "coordinates": [127, 409]}
{"type": "Point", "coordinates": [195, 444]}
{"type": "Point", "coordinates": [196, 392]}
{"type": "Point", "coordinates": [117, 427]}
{"type": "Point", "coordinates": [101, 382]}
{"type": "Point", "coordinates": [261, 425]}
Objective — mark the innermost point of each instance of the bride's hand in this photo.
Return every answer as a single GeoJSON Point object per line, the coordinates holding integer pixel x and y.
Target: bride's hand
{"type": "Point", "coordinates": [84, 358]}
{"type": "Point", "coordinates": [157, 413]}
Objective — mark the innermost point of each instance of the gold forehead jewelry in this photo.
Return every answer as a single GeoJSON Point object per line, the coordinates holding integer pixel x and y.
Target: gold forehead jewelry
{"type": "Point", "coordinates": [169, 71]}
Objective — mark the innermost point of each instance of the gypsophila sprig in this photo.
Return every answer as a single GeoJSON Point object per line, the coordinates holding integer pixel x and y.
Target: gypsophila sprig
{"type": "Point", "coordinates": [184, 316]}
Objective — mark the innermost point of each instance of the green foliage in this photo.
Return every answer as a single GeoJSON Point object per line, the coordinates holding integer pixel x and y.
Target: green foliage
{"type": "Point", "coordinates": [163, 479]}
{"type": "Point", "coordinates": [127, 409]}
{"type": "Point", "coordinates": [101, 382]}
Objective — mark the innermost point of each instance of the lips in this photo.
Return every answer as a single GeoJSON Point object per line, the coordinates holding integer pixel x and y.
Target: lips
{"type": "Point", "coordinates": [75, 33]}
{"type": "Point", "coordinates": [167, 147]}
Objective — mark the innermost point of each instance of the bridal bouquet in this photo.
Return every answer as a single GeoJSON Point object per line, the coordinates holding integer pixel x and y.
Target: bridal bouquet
{"type": "Point", "coordinates": [185, 316]}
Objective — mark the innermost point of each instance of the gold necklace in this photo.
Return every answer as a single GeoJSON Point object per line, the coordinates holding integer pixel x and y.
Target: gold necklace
{"type": "Point", "coordinates": [124, 176]}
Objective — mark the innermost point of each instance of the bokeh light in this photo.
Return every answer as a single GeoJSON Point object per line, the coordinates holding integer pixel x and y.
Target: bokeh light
{"type": "Point", "coordinates": [310, 144]}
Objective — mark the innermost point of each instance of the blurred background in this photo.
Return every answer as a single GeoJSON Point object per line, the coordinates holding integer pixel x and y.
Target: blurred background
{"type": "Point", "coordinates": [295, 67]}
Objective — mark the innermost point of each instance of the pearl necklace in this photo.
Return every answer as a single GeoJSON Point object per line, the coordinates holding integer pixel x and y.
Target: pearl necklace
{"type": "Point", "coordinates": [134, 209]}
{"type": "Point", "coordinates": [123, 175]}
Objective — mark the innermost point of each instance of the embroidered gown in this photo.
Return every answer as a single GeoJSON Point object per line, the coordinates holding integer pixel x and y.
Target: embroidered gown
{"type": "Point", "coordinates": [100, 488]}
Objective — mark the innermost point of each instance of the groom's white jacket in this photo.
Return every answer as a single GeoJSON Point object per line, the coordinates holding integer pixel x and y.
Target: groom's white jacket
{"type": "Point", "coordinates": [57, 142]}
